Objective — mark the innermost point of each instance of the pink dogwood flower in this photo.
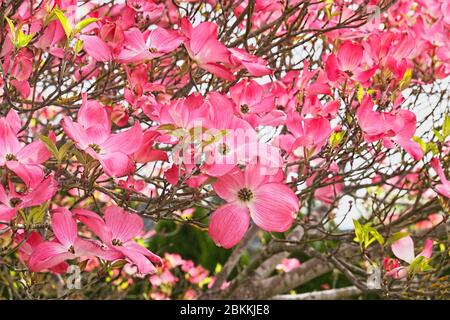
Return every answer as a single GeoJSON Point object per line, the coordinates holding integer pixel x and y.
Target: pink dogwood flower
{"type": "Point", "coordinates": [404, 250]}
{"type": "Point", "coordinates": [117, 230]}
{"type": "Point", "coordinates": [12, 201]}
{"type": "Point", "coordinates": [137, 49]}
{"type": "Point", "coordinates": [444, 187]}
{"type": "Point", "coordinates": [397, 126]}
{"type": "Point", "coordinates": [347, 63]}
{"type": "Point", "coordinates": [204, 48]}
{"type": "Point", "coordinates": [24, 160]}
{"type": "Point", "coordinates": [66, 246]}
{"type": "Point", "coordinates": [92, 134]}
{"type": "Point", "coordinates": [250, 193]}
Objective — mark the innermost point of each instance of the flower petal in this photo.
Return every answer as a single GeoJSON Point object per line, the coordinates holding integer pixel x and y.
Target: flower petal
{"type": "Point", "coordinates": [273, 207]}
{"type": "Point", "coordinates": [228, 225]}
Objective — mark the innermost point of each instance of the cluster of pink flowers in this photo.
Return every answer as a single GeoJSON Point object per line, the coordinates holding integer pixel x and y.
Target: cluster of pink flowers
{"type": "Point", "coordinates": [211, 140]}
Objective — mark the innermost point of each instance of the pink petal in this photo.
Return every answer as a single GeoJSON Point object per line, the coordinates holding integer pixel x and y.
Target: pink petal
{"type": "Point", "coordinates": [404, 249]}
{"type": "Point", "coordinates": [138, 248]}
{"type": "Point", "coordinates": [6, 213]}
{"type": "Point", "coordinates": [34, 153]}
{"type": "Point", "coordinates": [126, 142]}
{"type": "Point", "coordinates": [164, 40]}
{"type": "Point", "coordinates": [273, 207]}
{"type": "Point", "coordinates": [124, 226]}
{"type": "Point", "coordinates": [76, 132]}
{"type": "Point", "coordinates": [95, 223]}
{"type": "Point", "coordinates": [13, 120]}
{"type": "Point", "coordinates": [44, 191]}
{"type": "Point", "coordinates": [64, 227]}
{"type": "Point", "coordinates": [427, 249]}
{"type": "Point", "coordinates": [116, 164]}
{"type": "Point", "coordinates": [48, 255]}
{"type": "Point", "coordinates": [30, 174]}
{"type": "Point", "coordinates": [349, 56]}
{"type": "Point", "coordinates": [96, 48]}
{"type": "Point", "coordinates": [228, 225]}
{"type": "Point", "coordinates": [228, 185]}
{"type": "Point", "coordinates": [9, 144]}
{"type": "Point", "coordinates": [218, 70]}
{"type": "Point", "coordinates": [93, 114]}
{"type": "Point", "coordinates": [143, 264]}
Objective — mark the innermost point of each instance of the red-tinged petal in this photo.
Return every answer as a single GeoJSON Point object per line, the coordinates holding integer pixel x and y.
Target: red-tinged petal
{"type": "Point", "coordinates": [202, 34]}
{"type": "Point", "coordinates": [427, 249]}
{"type": "Point", "coordinates": [123, 225]}
{"type": "Point", "coordinates": [96, 48]}
{"type": "Point", "coordinates": [332, 68]}
{"type": "Point", "coordinates": [218, 70]}
{"type": "Point", "coordinates": [48, 255]}
{"type": "Point", "coordinates": [64, 227]}
{"type": "Point", "coordinates": [404, 249]}
{"type": "Point", "coordinates": [412, 147]}
{"type": "Point", "coordinates": [33, 153]}
{"type": "Point", "coordinates": [349, 56]}
{"type": "Point", "coordinates": [228, 225]}
{"type": "Point", "coordinates": [30, 174]}
{"type": "Point", "coordinates": [273, 207]}
{"type": "Point", "coordinates": [126, 142]}
{"type": "Point", "coordinates": [94, 222]}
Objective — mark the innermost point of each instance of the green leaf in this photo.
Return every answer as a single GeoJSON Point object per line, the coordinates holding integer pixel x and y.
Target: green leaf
{"type": "Point", "coordinates": [422, 143]}
{"type": "Point", "coordinates": [78, 46]}
{"type": "Point", "coordinates": [11, 28]}
{"type": "Point", "coordinates": [63, 150]}
{"type": "Point", "coordinates": [64, 22]}
{"type": "Point", "coordinates": [438, 135]}
{"type": "Point", "coordinates": [446, 126]}
{"type": "Point", "coordinates": [83, 24]}
{"type": "Point", "coordinates": [51, 146]}
{"type": "Point", "coordinates": [23, 39]}
{"type": "Point", "coordinates": [37, 214]}
{"type": "Point", "coordinates": [336, 138]}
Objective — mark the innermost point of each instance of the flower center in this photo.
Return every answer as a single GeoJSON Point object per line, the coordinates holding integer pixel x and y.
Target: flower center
{"type": "Point", "coordinates": [116, 242]}
{"type": "Point", "coordinates": [245, 108]}
{"type": "Point", "coordinates": [10, 157]}
{"type": "Point", "coordinates": [223, 149]}
{"type": "Point", "coordinates": [245, 194]}
{"type": "Point", "coordinates": [95, 147]}
{"type": "Point", "coordinates": [71, 250]}
{"type": "Point", "coordinates": [152, 50]}
{"type": "Point", "coordinates": [349, 73]}
{"type": "Point", "coordinates": [15, 201]}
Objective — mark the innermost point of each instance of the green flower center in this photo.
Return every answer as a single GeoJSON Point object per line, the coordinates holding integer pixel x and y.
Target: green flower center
{"type": "Point", "coordinates": [95, 147]}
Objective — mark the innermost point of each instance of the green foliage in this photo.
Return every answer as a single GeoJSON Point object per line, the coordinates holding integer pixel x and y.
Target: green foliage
{"type": "Point", "coordinates": [365, 235]}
